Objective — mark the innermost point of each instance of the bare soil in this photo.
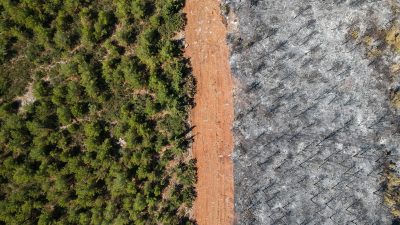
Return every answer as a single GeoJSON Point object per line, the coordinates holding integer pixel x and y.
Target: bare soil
{"type": "Point", "coordinates": [205, 36]}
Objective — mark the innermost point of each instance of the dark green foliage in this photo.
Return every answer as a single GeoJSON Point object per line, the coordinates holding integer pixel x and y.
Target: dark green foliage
{"type": "Point", "coordinates": [104, 140]}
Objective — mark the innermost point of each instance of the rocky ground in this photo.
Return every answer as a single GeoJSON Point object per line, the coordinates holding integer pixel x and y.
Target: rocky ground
{"type": "Point", "coordinates": [313, 126]}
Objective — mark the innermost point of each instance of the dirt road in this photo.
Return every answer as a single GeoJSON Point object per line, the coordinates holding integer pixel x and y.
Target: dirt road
{"type": "Point", "coordinates": [205, 35]}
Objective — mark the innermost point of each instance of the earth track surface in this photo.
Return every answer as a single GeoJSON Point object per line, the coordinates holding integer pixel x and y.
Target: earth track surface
{"type": "Point", "coordinates": [212, 116]}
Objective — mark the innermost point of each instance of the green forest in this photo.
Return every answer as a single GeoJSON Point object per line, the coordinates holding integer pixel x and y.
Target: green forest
{"type": "Point", "coordinates": [94, 101]}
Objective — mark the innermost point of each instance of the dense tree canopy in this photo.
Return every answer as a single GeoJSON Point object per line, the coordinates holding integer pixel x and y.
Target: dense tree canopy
{"type": "Point", "coordinates": [93, 113]}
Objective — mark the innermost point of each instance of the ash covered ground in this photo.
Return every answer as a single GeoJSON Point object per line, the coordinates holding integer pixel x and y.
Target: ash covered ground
{"type": "Point", "coordinates": [313, 125]}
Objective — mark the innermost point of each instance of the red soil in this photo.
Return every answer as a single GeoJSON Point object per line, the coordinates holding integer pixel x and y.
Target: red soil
{"type": "Point", "coordinates": [212, 116]}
